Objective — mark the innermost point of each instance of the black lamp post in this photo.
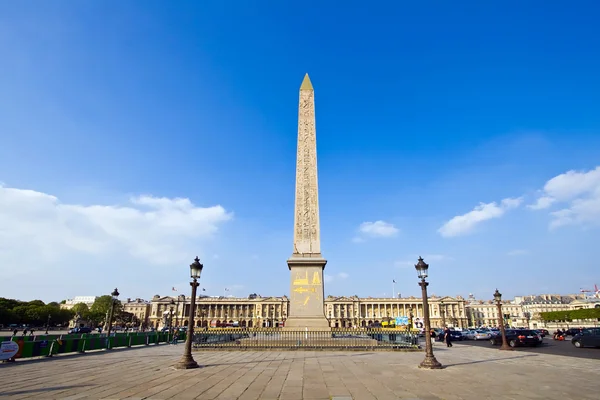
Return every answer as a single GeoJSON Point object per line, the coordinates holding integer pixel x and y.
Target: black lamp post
{"type": "Point", "coordinates": [171, 316]}
{"type": "Point", "coordinates": [498, 298]}
{"type": "Point", "coordinates": [411, 316]}
{"type": "Point", "coordinates": [443, 313]}
{"type": "Point", "coordinates": [48, 323]}
{"type": "Point", "coordinates": [114, 295]}
{"type": "Point", "coordinates": [187, 361]}
{"type": "Point", "coordinates": [429, 362]}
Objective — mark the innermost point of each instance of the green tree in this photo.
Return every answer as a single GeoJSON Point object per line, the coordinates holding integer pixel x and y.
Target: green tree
{"type": "Point", "coordinates": [103, 304]}
{"type": "Point", "coordinates": [82, 309]}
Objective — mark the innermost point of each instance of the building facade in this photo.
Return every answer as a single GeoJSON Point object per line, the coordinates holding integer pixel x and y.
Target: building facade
{"type": "Point", "coordinates": [258, 311]}
{"type": "Point", "coordinates": [87, 300]}
{"type": "Point", "coordinates": [140, 309]}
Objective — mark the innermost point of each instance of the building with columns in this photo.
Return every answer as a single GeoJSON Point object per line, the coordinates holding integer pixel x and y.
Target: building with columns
{"type": "Point", "coordinates": [342, 311]}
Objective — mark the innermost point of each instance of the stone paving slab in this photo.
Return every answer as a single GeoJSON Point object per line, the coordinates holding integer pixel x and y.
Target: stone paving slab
{"type": "Point", "coordinates": [146, 373]}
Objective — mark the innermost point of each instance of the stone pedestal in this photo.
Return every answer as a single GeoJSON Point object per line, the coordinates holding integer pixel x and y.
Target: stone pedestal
{"type": "Point", "coordinates": [306, 293]}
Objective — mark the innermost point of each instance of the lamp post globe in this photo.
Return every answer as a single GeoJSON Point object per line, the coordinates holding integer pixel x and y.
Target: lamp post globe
{"type": "Point", "coordinates": [498, 299]}
{"type": "Point", "coordinates": [196, 269]}
{"type": "Point", "coordinates": [422, 267]}
{"type": "Point", "coordinates": [430, 361]}
{"type": "Point", "coordinates": [187, 361]}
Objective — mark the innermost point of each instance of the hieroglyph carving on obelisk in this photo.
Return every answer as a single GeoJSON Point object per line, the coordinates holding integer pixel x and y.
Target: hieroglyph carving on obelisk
{"type": "Point", "coordinates": [306, 217]}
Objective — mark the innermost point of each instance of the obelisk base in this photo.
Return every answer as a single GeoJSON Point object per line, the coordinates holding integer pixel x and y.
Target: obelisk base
{"type": "Point", "coordinates": [307, 312]}
{"type": "Point", "coordinates": [307, 324]}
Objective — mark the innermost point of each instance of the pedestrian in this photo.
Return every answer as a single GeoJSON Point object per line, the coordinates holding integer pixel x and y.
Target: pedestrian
{"type": "Point", "coordinates": [25, 332]}
{"type": "Point", "coordinates": [174, 341]}
{"type": "Point", "coordinates": [15, 332]}
{"type": "Point", "coordinates": [31, 332]}
{"type": "Point", "coordinates": [432, 336]}
{"type": "Point", "coordinates": [448, 337]}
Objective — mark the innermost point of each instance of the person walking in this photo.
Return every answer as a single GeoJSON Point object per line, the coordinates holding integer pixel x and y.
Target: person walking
{"type": "Point", "coordinates": [432, 336]}
{"type": "Point", "coordinates": [174, 341]}
{"type": "Point", "coordinates": [448, 337]}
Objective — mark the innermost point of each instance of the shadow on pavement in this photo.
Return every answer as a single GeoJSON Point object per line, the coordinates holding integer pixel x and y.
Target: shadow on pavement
{"type": "Point", "coordinates": [90, 353]}
{"type": "Point", "coordinates": [490, 360]}
{"type": "Point", "coordinates": [49, 389]}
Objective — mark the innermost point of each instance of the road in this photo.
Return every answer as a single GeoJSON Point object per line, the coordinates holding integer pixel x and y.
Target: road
{"type": "Point", "coordinates": [550, 346]}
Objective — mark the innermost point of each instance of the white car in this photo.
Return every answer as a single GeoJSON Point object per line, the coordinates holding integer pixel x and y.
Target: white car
{"type": "Point", "coordinates": [481, 335]}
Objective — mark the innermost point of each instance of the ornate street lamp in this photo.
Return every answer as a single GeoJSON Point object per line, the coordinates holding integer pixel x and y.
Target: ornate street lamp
{"type": "Point", "coordinates": [187, 361]}
{"type": "Point", "coordinates": [443, 313]}
{"type": "Point", "coordinates": [527, 316]}
{"type": "Point", "coordinates": [498, 298]}
{"type": "Point", "coordinates": [114, 298]}
{"type": "Point", "coordinates": [411, 316]}
{"type": "Point", "coordinates": [429, 362]}
{"type": "Point", "coordinates": [171, 316]}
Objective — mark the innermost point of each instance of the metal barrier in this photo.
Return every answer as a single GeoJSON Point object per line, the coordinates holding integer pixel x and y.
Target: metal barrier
{"type": "Point", "coordinates": [49, 345]}
{"type": "Point", "coordinates": [282, 339]}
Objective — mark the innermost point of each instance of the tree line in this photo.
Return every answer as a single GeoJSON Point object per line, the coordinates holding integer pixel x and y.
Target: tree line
{"type": "Point", "coordinates": [32, 313]}
{"type": "Point", "coordinates": [35, 313]}
{"type": "Point", "coordinates": [571, 315]}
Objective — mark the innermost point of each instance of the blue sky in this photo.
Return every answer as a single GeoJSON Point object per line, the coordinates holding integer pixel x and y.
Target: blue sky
{"type": "Point", "coordinates": [109, 112]}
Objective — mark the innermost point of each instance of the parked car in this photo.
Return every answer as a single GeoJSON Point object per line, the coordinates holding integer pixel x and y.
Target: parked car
{"type": "Point", "coordinates": [572, 331]}
{"type": "Point", "coordinates": [589, 337]}
{"type": "Point", "coordinates": [481, 335]}
{"type": "Point", "coordinates": [456, 335]}
{"type": "Point", "coordinates": [80, 330]}
{"type": "Point", "coordinates": [469, 334]}
{"type": "Point", "coordinates": [543, 332]}
{"type": "Point", "coordinates": [518, 337]}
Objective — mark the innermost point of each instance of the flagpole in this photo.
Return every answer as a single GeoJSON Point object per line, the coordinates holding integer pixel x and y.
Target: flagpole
{"type": "Point", "coordinates": [393, 289]}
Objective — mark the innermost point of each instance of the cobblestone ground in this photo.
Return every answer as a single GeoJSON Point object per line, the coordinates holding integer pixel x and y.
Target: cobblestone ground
{"type": "Point", "coordinates": [146, 373]}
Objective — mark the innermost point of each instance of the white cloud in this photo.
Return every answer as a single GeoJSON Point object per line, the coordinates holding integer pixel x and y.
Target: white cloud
{"type": "Point", "coordinates": [517, 252]}
{"type": "Point", "coordinates": [331, 278]}
{"type": "Point", "coordinates": [542, 203]}
{"type": "Point", "coordinates": [464, 224]}
{"type": "Point", "coordinates": [154, 230]}
{"type": "Point", "coordinates": [579, 191]}
{"type": "Point", "coordinates": [375, 229]}
{"type": "Point", "coordinates": [378, 229]}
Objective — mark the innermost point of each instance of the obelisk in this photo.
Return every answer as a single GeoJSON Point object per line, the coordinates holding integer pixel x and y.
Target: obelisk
{"type": "Point", "coordinates": [306, 263]}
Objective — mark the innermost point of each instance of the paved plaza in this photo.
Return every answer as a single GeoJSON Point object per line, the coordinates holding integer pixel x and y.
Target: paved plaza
{"type": "Point", "coordinates": [146, 373]}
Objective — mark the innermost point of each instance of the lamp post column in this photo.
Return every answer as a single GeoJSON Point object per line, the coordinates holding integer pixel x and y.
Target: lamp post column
{"type": "Point", "coordinates": [443, 312]}
{"type": "Point", "coordinates": [430, 361]}
{"type": "Point", "coordinates": [498, 298]}
{"type": "Point", "coordinates": [505, 345]}
{"type": "Point", "coordinates": [48, 323]}
{"type": "Point", "coordinates": [187, 361]}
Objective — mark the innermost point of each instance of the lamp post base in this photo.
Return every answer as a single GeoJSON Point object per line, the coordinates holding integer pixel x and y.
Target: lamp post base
{"type": "Point", "coordinates": [505, 347]}
{"type": "Point", "coordinates": [186, 362]}
{"type": "Point", "coordinates": [430, 362]}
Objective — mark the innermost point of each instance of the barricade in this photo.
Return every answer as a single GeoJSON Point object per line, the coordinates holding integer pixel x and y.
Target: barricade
{"type": "Point", "coordinates": [49, 345]}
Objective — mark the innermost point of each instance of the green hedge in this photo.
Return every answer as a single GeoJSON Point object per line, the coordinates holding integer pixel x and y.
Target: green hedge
{"type": "Point", "coordinates": [570, 315]}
